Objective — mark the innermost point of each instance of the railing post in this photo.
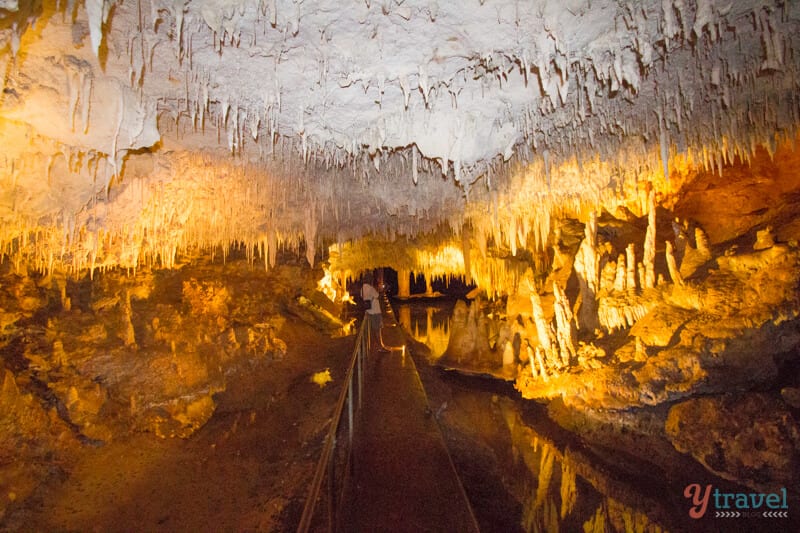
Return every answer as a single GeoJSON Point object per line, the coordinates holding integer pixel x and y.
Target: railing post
{"type": "Point", "coordinates": [331, 497]}
{"type": "Point", "coordinates": [360, 378]}
{"type": "Point", "coordinates": [350, 412]}
{"type": "Point", "coordinates": [368, 331]}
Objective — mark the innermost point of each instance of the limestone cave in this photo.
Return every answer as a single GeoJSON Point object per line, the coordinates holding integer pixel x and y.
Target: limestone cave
{"type": "Point", "coordinates": [580, 219]}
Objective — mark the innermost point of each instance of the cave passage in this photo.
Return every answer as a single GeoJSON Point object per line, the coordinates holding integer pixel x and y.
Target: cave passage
{"type": "Point", "coordinates": [584, 215]}
{"type": "Point", "coordinates": [401, 471]}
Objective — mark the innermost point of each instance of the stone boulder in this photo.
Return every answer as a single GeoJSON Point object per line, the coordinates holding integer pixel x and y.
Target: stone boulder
{"type": "Point", "coordinates": [750, 438]}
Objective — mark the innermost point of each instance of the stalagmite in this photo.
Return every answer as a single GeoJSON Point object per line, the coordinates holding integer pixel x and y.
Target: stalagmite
{"type": "Point", "coordinates": [702, 245]}
{"type": "Point", "coordinates": [672, 266]}
{"type": "Point", "coordinates": [681, 240]}
{"type": "Point", "coordinates": [531, 359]}
{"type": "Point", "coordinates": [650, 243]}
{"type": "Point", "coordinates": [620, 280]}
{"type": "Point", "coordinates": [128, 336]}
{"type": "Point", "coordinates": [587, 266]}
{"type": "Point", "coordinates": [640, 275]}
{"type": "Point", "coordinates": [508, 354]}
{"type": "Point", "coordinates": [608, 276]}
{"type": "Point", "coordinates": [403, 283]}
{"type": "Point", "coordinates": [569, 491]}
{"type": "Point", "coordinates": [540, 360]}
{"type": "Point", "coordinates": [546, 340]}
{"type": "Point", "coordinates": [565, 333]}
{"type": "Point", "coordinates": [630, 268]}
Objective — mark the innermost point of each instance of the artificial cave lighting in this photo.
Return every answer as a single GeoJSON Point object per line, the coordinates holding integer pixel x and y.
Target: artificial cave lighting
{"type": "Point", "coordinates": [591, 209]}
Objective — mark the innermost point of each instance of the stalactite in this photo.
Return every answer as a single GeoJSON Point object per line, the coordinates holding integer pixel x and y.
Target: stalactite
{"type": "Point", "coordinates": [608, 130]}
{"type": "Point", "coordinates": [97, 12]}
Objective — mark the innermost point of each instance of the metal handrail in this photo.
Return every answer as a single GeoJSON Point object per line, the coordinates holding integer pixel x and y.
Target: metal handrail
{"type": "Point", "coordinates": [326, 464]}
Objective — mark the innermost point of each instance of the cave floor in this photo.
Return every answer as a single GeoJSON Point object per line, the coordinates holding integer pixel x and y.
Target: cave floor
{"type": "Point", "coordinates": [247, 469]}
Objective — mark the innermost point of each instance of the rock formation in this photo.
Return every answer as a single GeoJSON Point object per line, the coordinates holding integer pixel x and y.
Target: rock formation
{"type": "Point", "coordinates": [523, 147]}
{"type": "Point", "coordinates": [756, 438]}
{"type": "Point", "coordinates": [726, 320]}
{"type": "Point", "coordinates": [131, 354]}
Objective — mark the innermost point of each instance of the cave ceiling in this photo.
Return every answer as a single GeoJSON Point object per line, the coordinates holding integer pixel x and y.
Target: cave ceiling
{"type": "Point", "coordinates": [134, 129]}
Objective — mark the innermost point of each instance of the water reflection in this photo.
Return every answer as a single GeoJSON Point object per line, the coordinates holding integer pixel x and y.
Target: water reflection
{"type": "Point", "coordinates": [567, 491]}
{"type": "Point", "coordinates": [513, 462]}
{"type": "Point", "coordinates": [428, 324]}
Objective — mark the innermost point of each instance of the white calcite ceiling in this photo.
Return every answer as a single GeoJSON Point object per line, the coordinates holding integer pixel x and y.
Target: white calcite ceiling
{"type": "Point", "coordinates": [321, 120]}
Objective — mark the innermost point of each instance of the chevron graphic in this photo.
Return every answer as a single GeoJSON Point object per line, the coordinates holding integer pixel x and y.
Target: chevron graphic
{"type": "Point", "coordinates": [728, 514]}
{"type": "Point", "coordinates": [775, 514]}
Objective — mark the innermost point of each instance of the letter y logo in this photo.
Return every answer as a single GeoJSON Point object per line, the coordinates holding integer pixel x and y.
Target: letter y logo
{"type": "Point", "coordinates": [699, 502]}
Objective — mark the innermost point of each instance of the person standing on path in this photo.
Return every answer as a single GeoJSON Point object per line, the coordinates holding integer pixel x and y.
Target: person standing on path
{"type": "Point", "coordinates": [371, 297]}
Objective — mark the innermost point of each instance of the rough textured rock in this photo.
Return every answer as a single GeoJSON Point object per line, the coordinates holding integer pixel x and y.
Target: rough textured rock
{"type": "Point", "coordinates": [660, 326]}
{"type": "Point", "coordinates": [143, 354]}
{"type": "Point", "coordinates": [759, 191]}
{"type": "Point", "coordinates": [31, 436]}
{"type": "Point", "coordinates": [751, 438]}
{"type": "Point", "coordinates": [724, 328]}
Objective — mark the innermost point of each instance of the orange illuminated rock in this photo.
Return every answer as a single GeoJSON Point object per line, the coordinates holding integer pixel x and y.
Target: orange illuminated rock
{"type": "Point", "coordinates": [660, 326]}
{"type": "Point", "coordinates": [30, 438]}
